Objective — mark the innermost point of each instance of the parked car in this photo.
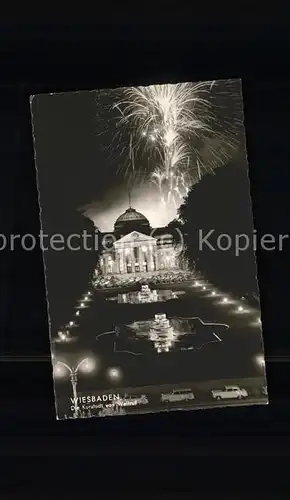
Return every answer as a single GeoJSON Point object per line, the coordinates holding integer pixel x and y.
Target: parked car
{"type": "Point", "coordinates": [177, 395]}
{"type": "Point", "coordinates": [229, 392]}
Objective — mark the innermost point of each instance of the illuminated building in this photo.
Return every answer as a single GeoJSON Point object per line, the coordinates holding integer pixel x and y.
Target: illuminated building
{"type": "Point", "coordinates": [134, 247]}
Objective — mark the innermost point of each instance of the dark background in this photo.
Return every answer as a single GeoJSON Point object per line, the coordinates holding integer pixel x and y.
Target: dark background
{"type": "Point", "coordinates": [125, 49]}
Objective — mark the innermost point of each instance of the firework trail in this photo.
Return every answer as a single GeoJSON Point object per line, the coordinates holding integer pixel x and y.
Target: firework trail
{"type": "Point", "coordinates": [176, 125]}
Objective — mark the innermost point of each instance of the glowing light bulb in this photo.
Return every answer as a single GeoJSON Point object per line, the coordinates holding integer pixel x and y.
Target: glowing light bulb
{"type": "Point", "coordinates": [87, 365]}
{"type": "Point", "coordinates": [213, 293]}
{"type": "Point", "coordinates": [204, 287]}
{"type": "Point", "coordinates": [71, 323]}
{"type": "Point", "coordinates": [114, 373]}
{"type": "Point", "coordinates": [225, 300]}
{"type": "Point", "coordinates": [82, 304]}
{"type": "Point", "coordinates": [240, 308]}
{"type": "Point", "coordinates": [77, 313]}
{"type": "Point", "coordinates": [86, 298]}
{"type": "Point", "coordinates": [260, 360]}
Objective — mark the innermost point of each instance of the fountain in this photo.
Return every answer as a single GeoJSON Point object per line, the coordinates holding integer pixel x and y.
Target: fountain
{"type": "Point", "coordinates": [145, 295]}
{"type": "Point", "coordinates": [161, 323]}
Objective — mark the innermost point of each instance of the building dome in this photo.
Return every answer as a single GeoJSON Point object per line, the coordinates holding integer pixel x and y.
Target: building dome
{"type": "Point", "coordinates": [131, 220]}
{"type": "Point", "coordinates": [131, 215]}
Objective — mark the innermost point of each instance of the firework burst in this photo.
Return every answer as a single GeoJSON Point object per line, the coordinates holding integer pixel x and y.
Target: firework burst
{"type": "Point", "coordinates": [179, 130]}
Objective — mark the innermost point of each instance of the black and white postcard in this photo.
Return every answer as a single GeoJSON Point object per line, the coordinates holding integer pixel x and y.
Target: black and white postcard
{"type": "Point", "coordinates": [149, 249]}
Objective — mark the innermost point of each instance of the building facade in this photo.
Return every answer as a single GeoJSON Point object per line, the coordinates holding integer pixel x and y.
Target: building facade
{"type": "Point", "coordinates": [134, 247]}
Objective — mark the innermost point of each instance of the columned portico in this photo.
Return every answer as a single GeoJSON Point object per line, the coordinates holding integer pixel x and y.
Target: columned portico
{"type": "Point", "coordinates": [135, 251]}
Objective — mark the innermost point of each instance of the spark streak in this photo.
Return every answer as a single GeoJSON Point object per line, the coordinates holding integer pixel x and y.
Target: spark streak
{"type": "Point", "coordinates": [176, 126]}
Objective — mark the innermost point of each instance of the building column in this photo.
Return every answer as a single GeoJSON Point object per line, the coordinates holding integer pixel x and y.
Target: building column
{"type": "Point", "coordinates": [117, 262]}
{"type": "Point", "coordinates": [127, 259]}
{"type": "Point", "coordinates": [140, 258]}
{"type": "Point", "coordinates": [132, 259]}
{"type": "Point", "coordinates": [122, 262]}
{"type": "Point", "coordinates": [106, 264]}
{"type": "Point", "coordinates": [151, 260]}
{"type": "Point", "coordinates": [157, 259]}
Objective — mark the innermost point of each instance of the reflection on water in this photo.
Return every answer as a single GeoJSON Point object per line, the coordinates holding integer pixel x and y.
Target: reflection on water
{"type": "Point", "coordinates": [145, 296]}
{"type": "Point", "coordinates": [161, 334]}
{"type": "Point", "coordinates": [181, 334]}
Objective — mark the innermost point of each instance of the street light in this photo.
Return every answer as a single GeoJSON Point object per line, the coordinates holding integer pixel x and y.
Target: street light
{"type": "Point", "coordinates": [86, 365]}
{"type": "Point", "coordinates": [64, 337]}
{"type": "Point", "coordinates": [260, 360]}
{"type": "Point", "coordinates": [114, 374]}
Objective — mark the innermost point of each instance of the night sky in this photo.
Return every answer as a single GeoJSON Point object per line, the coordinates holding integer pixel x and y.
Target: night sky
{"type": "Point", "coordinates": [76, 165]}
{"type": "Point", "coordinates": [81, 155]}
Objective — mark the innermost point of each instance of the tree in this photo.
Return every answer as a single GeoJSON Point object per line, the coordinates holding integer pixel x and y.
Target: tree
{"type": "Point", "coordinates": [68, 272]}
{"type": "Point", "coordinates": [221, 203]}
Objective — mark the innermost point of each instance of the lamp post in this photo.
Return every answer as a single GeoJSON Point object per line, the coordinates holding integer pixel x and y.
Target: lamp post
{"type": "Point", "coordinates": [86, 364]}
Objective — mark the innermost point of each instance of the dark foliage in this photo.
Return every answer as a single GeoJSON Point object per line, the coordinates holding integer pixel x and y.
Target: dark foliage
{"type": "Point", "coordinates": [69, 272]}
{"type": "Point", "coordinates": [221, 203]}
